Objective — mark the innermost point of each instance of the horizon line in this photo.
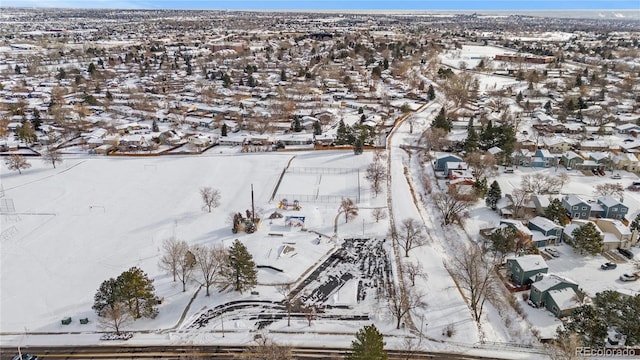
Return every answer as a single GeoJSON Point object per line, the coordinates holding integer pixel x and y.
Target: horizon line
{"type": "Point", "coordinates": [304, 9]}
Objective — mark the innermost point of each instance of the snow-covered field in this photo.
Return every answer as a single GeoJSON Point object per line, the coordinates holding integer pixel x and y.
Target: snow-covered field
{"type": "Point", "coordinates": [94, 217]}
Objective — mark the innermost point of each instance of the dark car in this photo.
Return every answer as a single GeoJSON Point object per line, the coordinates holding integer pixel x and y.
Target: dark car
{"type": "Point", "coordinates": [25, 357]}
{"type": "Point", "coordinates": [626, 253]}
{"type": "Point", "coordinates": [608, 266]}
{"type": "Point", "coordinates": [601, 172]}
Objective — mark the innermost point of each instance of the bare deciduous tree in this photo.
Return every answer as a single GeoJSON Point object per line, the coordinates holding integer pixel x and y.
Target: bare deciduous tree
{"type": "Point", "coordinates": [210, 260]}
{"type": "Point", "coordinates": [410, 235]}
{"type": "Point", "coordinates": [379, 214]}
{"type": "Point", "coordinates": [310, 312]}
{"type": "Point", "coordinates": [473, 273]}
{"type": "Point", "coordinates": [564, 180]}
{"type": "Point", "coordinates": [185, 268]}
{"type": "Point", "coordinates": [401, 303]}
{"type": "Point", "coordinates": [452, 204]}
{"type": "Point", "coordinates": [349, 209]}
{"type": "Point", "coordinates": [482, 165]}
{"type": "Point", "coordinates": [17, 162]}
{"type": "Point", "coordinates": [519, 198]}
{"type": "Point", "coordinates": [115, 317]}
{"type": "Point", "coordinates": [52, 155]}
{"type": "Point", "coordinates": [210, 197]}
{"type": "Point", "coordinates": [173, 252]}
{"type": "Point", "coordinates": [289, 303]}
{"type": "Point", "coordinates": [611, 189]}
{"type": "Point", "coordinates": [541, 184]}
{"type": "Point", "coordinates": [435, 138]}
{"type": "Point", "coordinates": [376, 175]}
{"type": "Point", "coordinates": [414, 270]}
{"type": "Point", "coordinates": [267, 349]}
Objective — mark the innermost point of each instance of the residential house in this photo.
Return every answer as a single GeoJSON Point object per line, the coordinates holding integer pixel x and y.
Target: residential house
{"type": "Point", "coordinates": [543, 158]}
{"type": "Point", "coordinates": [460, 167]}
{"type": "Point", "coordinates": [604, 159]}
{"type": "Point", "coordinates": [557, 145]}
{"type": "Point", "coordinates": [621, 235]}
{"type": "Point", "coordinates": [525, 236]}
{"type": "Point", "coordinates": [562, 302]}
{"type": "Point", "coordinates": [626, 161]}
{"type": "Point", "coordinates": [571, 160]}
{"type": "Point", "coordinates": [567, 233]}
{"type": "Point", "coordinates": [540, 202]}
{"type": "Point", "coordinates": [544, 231]}
{"type": "Point", "coordinates": [612, 208]}
{"type": "Point", "coordinates": [523, 269]}
{"type": "Point", "coordinates": [576, 207]}
{"type": "Point", "coordinates": [441, 162]}
{"type": "Point", "coordinates": [628, 128]}
{"type": "Point", "coordinates": [546, 292]}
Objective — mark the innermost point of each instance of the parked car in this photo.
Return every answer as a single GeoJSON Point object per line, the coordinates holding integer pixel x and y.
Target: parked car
{"type": "Point", "coordinates": [601, 172]}
{"type": "Point", "coordinates": [629, 277]}
{"type": "Point", "coordinates": [552, 252]}
{"type": "Point", "coordinates": [616, 176]}
{"type": "Point", "coordinates": [608, 266]}
{"type": "Point", "coordinates": [626, 253]}
{"type": "Point", "coordinates": [594, 171]}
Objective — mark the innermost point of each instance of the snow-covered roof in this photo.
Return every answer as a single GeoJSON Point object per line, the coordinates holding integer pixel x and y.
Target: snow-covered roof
{"type": "Point", "coordinates": [573, 199]}
{"type": "Point", "coordinates": [543, 223]}
{"type": "Point", "coordinates": [608, 201]}
{"type": "Point", "coordinates": [571, 155]}
{"type": "Point", "coordinates": [565, 298]}
{"type": "Point", "coordinates": [531, 262]}
{"type": "Point", "coordinates": [550, 280]}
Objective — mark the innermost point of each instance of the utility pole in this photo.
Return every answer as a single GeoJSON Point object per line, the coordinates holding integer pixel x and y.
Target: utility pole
{"type": "Point", "coordinates": [253, 209]}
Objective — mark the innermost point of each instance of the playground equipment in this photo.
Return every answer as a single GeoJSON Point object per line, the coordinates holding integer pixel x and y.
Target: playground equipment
{"type": "Point", "coordinates": [284, 204]}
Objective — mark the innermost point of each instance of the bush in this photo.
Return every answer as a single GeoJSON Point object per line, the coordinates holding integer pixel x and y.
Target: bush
{"type": "Point", "coordinates": [449, 330]}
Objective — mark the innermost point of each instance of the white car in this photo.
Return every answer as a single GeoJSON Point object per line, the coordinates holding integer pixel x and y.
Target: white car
{"type": "Point", "coordinates": [629, 277]}
{"type": "Point", "coordinates": [552, 252]}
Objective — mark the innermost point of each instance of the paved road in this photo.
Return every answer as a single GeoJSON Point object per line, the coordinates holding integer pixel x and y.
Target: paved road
{"type": "Point", "coordinates": [208, 352]}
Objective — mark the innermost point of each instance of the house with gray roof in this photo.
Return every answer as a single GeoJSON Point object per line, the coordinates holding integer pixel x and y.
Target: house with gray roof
{"type": "Point", "coordinates": [612, 208]}
{"type": "Point", "coordinates": [576, 207]}
{"type": "Point", "coordinates": [543, 289]}
{"type": "Point", "coordinates": [522, 269]}
{"type": "Point", "coordinates": [545, 231]}
{"type": "Point", "coordinates": [571, 160]}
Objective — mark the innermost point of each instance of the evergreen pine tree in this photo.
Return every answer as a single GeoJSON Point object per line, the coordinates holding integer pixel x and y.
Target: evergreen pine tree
{"type": "Point", "coordinates": [91, 69]}
{"type": "Point", "coordinates": [138, 292]}
{"type": "Point", "coordinates": [357, 146]}
{"type": "Point", "coordinates": [587, 239]}
{"type": "Point", "coordinates": [493, 195]}
{"type": "Point", "coordinates": [154, 126]}
{"type": "Point", "coordinates": [506, 142]}
{"type": "Point", "coordinates": [441, 121]}
{"type": "Point", "coordinates": [431, 93]}
{"type": "Point", "coordinates": [242, 270]}
{"type": "Point", "coordinates": [368, 345]}
{"type": "Point", "coordinates": [297, 127]}
{"type": "Point", "coordinates": [547, 107]}
{"type": "Point", "coordinates": [283, 75]}
{"type": "Point", "coordinates": [519, 97]}
{"type": "Point", "coordinates": [132, 288]}
{"type": "Point", "coordinates": [36, 121]}
{"type": "Point", "coordinates": [556, 212]}
{"type": "Point", "coordinates": [635, 224]}
{"type": "Point", "coordinates": [317, 128]}
{"type": "Point", "coordinates": [488, 138]}
{"type": "Point", "coordinates": [344, 134]}
{"type": "Point", "coordinates": [471, 142]}
{"type": "Point", "coordinates": [480, 187]}
{"type": "Point", "coordinates": [224, 130]}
